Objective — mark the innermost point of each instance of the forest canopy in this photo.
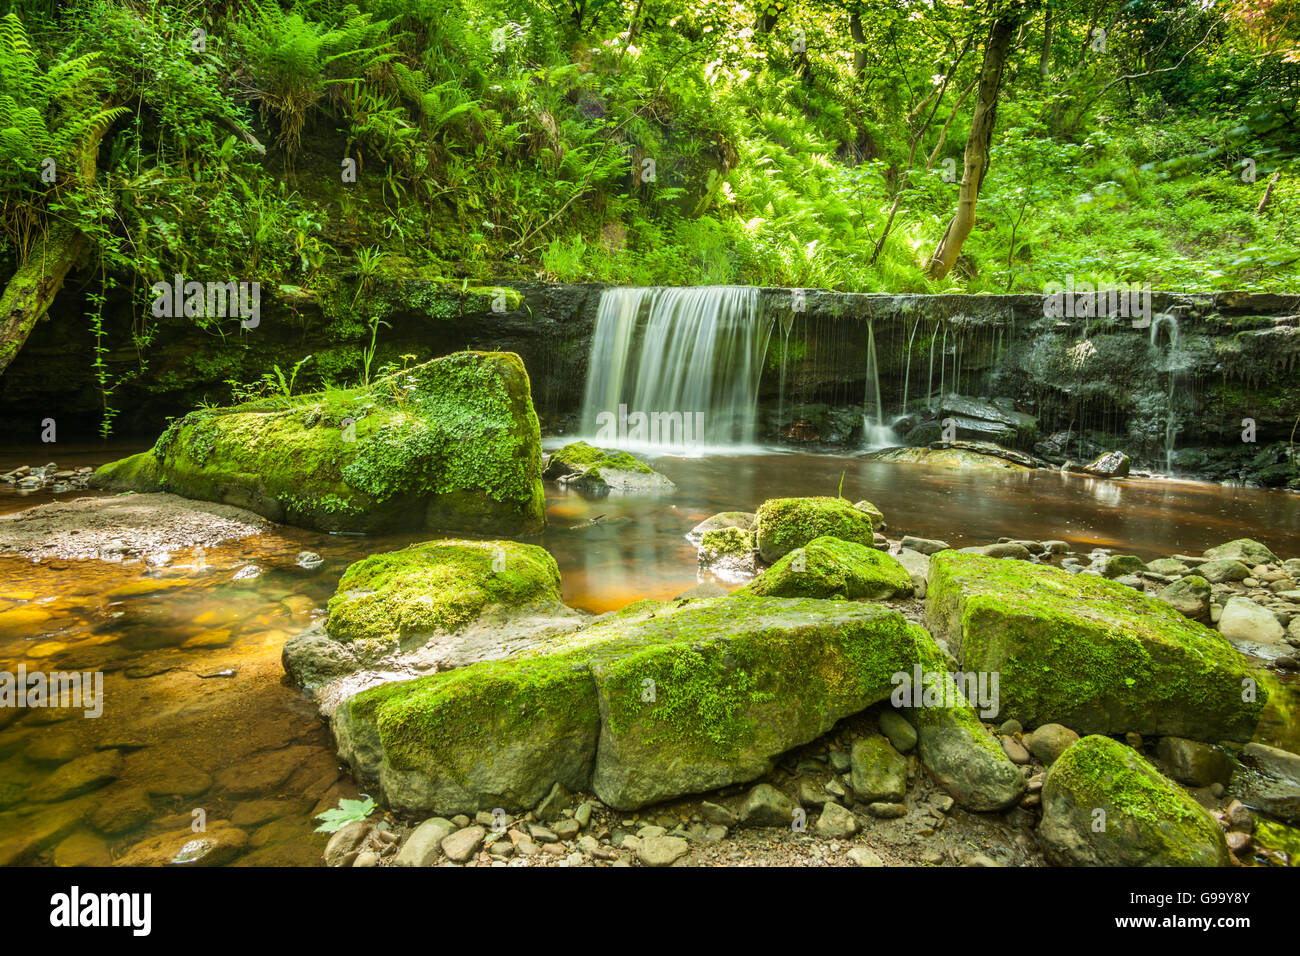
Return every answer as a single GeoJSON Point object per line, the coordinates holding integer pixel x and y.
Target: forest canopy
{"type": "Point", "coordinates": [902, 145]}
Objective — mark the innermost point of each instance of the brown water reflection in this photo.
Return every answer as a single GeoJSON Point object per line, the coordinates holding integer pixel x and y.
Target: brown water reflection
{"type": "Point", "coordinates": [196, 713]}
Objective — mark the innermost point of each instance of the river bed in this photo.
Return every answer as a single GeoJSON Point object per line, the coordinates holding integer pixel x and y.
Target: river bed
{"type": "Point", "coordinates": [198, 723]}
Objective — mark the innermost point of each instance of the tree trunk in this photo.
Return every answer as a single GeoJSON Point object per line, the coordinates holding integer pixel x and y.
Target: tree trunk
{"type": "Point", "coordinates": [53, 254]}
{"type": "Point", "coordinates": [977, 147]}
{"type": "Point", "coordinates": [859, 45]}
{"type": "Point", "coordinates": [33, 287]}
{"type": "Point", "coordinates": [1045, 58]}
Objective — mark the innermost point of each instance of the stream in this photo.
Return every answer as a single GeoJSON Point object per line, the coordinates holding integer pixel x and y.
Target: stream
{"type": "Point", "coordinates": [198, 723]}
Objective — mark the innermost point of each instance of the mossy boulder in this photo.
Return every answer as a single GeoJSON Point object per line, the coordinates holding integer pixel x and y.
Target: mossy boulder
{"type": "Point", "coordinates": [1104, 805]}
{"type": "Point", "coordinates": [450, 445]}
{"type": "Point", "coordinates": [644, 705]}
{"type": "Point", "coordinates": [1089, 653]}
{"type": "Point", "coordinates": [440, 603]}
{"type": "Point", "coordinates": [828, 567]}
{"type": "Point", "coordinates": [728, 553]}
{"type": "Point", "coordinates": [784, 524]}
{"type": "Point", "coordinates": [438, 587]}
{"type": "Point", "coordinates": [599, 471]}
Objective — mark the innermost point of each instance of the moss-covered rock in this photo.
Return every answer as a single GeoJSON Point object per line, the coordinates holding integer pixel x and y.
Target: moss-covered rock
{"type": "Point", "coordinates": [437, 587]}
{"type": "Point", "coordinates": [601, 470]}
{"type": "Point", "coordinates": [723, 687]}
{"type": "Point", "coordinates": [788, 523]}
{"type": "Point", "coordinates": [646, 704]}
{"type": "Point", "coordinates": [1089, 653]}
{"type": "Point", "coordinates": [1104, 805]}
{"type": "Point", "coordinates": [828, 567]}
{"type": "Point", "coordinates": [451, 445]}
{"type": "Point", "coordinates": [728, 553]}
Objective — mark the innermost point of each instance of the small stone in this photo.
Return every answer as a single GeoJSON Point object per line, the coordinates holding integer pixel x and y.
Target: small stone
{"type": "Point", "coordinates": [836, 822]}
{"type": "Point", "coordinates": [717, 814]}
{"type": "Point", "coordinates": [886, 811]}
{"type": "Point", "coordinates": [463, 844]}
{"type": "Point", "coordinates": [662, 851]}
{"type": "Point", "coordinates": [566, 829]}
{"type": "Point", "coordinates": [766, 806]}
{"type": "Point", "coordinates": [861, 856]}
{"type": "Point", "coordinates": [1050, 741]}
{"type": "Point", "coordinates": [901, 734]}
{"type": "Point", "coordinates": [1011, 728]}
{"type": "Point", "coordinates": [1014, 750]}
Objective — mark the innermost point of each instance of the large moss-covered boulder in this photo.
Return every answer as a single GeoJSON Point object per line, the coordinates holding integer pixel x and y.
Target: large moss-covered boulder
{"type": "Point", "coordinates": [788, 523]}
{"type": "Point", "coordinates": [653, 702]}
{"type": "Point", "coordinates": [829, 567]}
{"type": "Point", "coordinates": [1089, 653]}
{"type": "Point", "coordinates": [598, 471]}
{"type": "Point", "coordinates": [735, 684]}
{"type": "Point", "coordinates": [1104, 805]}
{"type": "Point", "coordinates": [451, 445]}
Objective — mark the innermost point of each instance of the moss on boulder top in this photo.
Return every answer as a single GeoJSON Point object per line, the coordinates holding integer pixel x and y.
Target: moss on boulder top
{"type": "Point", "coordinates": [1149, 820]}
{"type": "Point", "coordinates": [787, 523]}
{"type": "Point", "coordinates": [450, 445]}
{"type": "Point", "coordinates": [602, 470]}
{"type": "Point", "coordinates": [437, 587]}
{"type": "Point", "coordinates": [828, 567]}
{"type": "Point", "coordinates": [646, 704]}
{"type": "Point", "coordinates": [1092, 654]}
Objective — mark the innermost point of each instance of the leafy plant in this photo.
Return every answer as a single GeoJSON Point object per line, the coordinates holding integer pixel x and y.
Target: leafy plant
{"type": "Point", "coordinates": [348, 811]}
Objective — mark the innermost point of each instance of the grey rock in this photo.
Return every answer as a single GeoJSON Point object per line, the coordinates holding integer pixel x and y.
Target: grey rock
{"type": "Point", "coordinates": [424, 846]}
{"type": "Point", "coordinates": [1050, 741]}
{"type": "Point", "coordinates": [463, 844]}
{"type": "Point", "coordinates": [901, 734]}
{"type": "Point", "coordinates": [1192, 762]}
{"type": "Point", "coordinates": [879, 771]}
{"type": "Point", "coordinates": [662, 850]}
{"type": "Point", "coordinates": [766, 806]}
{"type": "Point", "coordinates": [835, 822]}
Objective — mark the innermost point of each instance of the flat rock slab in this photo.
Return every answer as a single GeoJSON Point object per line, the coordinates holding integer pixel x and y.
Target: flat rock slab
{"type": "Point", "coordinates": [110, 528]}
{"type": "Point", "coordinates": [653, 702]}
{"type": "Point", "coordinates": [1092, 654]}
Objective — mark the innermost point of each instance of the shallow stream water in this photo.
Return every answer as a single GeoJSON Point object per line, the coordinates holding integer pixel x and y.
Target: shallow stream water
{"type": "Point", "coordinates": [197, 716]}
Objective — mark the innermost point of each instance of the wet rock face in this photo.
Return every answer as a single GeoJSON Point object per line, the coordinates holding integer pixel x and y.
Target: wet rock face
{"type": "Point", "coordinates": [454, 444]}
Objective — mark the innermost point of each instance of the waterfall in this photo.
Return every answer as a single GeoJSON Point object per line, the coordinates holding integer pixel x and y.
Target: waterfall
{"type": "Point", "coordinates": [673, 369]}
{"type": "Point", "coordinates": [1172, 364]}
{"type": "Point", "coordinates": [877, 434]}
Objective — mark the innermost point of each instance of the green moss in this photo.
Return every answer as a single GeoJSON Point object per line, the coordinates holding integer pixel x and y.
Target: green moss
{"type": "Point", "coordinates": [725, 541]}
{"type": "Point", "coordinates": [138, 473]}
{"type": "Point", "coordinates": [438, 587]}
{"type": "Point", "coordinates": [455, 442]}
{"type": "Point", "coordinates": [784, 524]}
{"type": "Point", "coordinates": [1159, 821]}
{"type": "Point", "coordinates": [828, 567]}
{"type": "Point", "coordinates": [587, 459]}
{"type": "Point", "coordinates": [1089, 653]}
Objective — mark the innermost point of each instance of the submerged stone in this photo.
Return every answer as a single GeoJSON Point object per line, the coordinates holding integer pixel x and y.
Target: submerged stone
{"type": "Point", "coordinates": [828, 567]}
{"type": "Point", "coordinates": [450, 445]}
{"type": "Point", "coordinates": [1090, 653]}
{"type": "Point", "coordinates": [787, 523]}
{"type": "Point", "coordinates": [1104, 805]}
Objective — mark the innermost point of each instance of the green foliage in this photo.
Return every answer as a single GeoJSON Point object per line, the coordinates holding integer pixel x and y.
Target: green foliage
{"type": "Point", "coordinates": [348, 811]}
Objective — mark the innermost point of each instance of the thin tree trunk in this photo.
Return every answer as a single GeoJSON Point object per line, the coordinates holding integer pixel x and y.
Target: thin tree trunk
{"type": "Point", "coordinates": [1268, 191]}
{"type": "Point", "coordinates": [859, 45]}
{"type": "Point", "coordinates": [1045, 58]}
{"type": "Point", "coordinates": [978, 144]}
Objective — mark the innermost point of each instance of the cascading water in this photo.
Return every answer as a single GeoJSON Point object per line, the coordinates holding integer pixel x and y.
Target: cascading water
{"type": "Point", "coordinates": [675, 369]}
{"type": "Point", "coordinates": [1172, 363]}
